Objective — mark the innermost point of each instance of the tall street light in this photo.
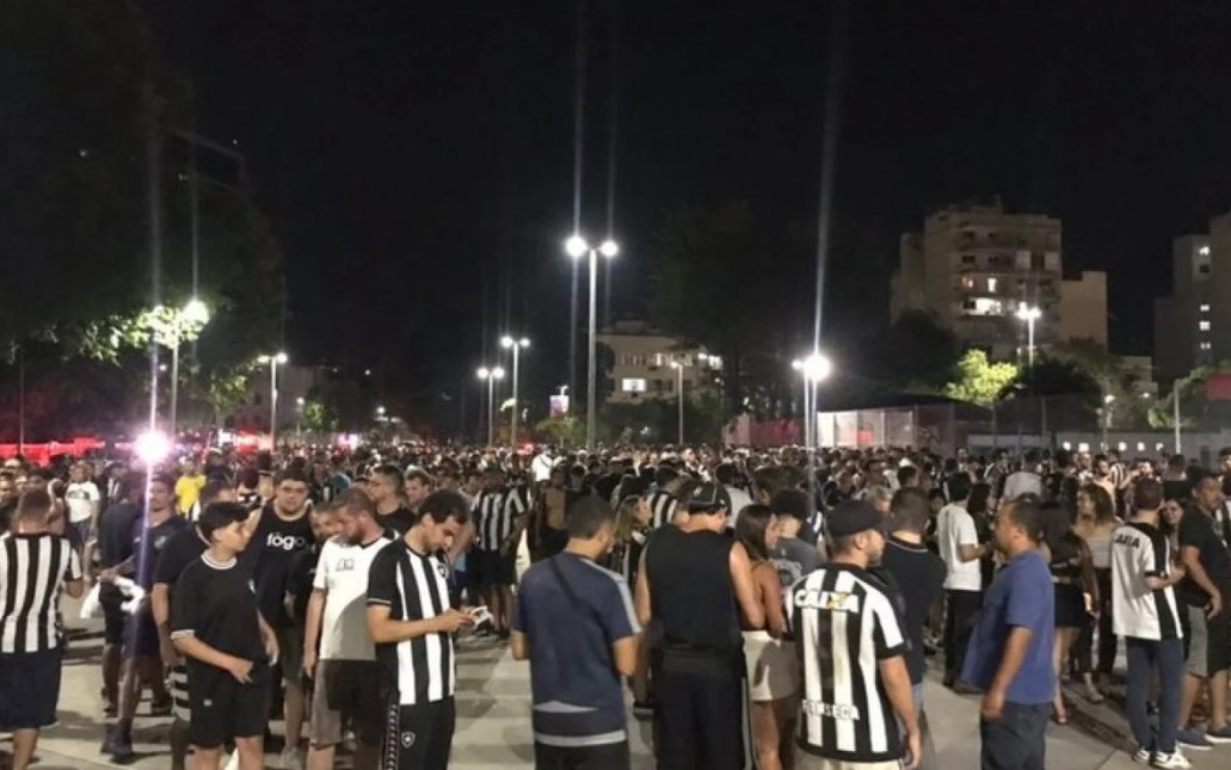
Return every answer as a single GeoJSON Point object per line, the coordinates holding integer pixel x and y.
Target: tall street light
{"type": "Point", "coordinates": [516, 345]}
{"type": "Point", "coordinates": [814, 368]}
{"type": "Point", "coordinates": [1029, 314]}
{"type": "Point", "coordinates": [274, 362]}
{"type": "Point", "coordinates": [577, 247]}
{"type": "Point", "coordinates": [196, 314]}
{"type": "Point", "coordinates": [679, 390]}
{"type": "Point", "coordinates": [490, 376]}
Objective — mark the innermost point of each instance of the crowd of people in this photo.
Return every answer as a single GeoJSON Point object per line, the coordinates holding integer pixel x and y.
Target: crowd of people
{"type": "Point", "coordinates": [763, 608]}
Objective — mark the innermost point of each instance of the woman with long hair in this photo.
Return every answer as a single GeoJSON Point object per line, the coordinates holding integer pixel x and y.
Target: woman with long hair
{"type": "Point", "coordinates": [1096, 523]}
{"type": "Point", "coordinates": [772, 665]}
{"type": "Point", "coordinates": [1072, 576]}
{"type": "Point", "coordinates": [633, 516]}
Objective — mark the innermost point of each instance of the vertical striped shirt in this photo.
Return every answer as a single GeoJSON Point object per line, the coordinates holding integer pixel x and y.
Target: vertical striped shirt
{"type": "Point", "coordinates": [1140, 551]}
{"type": "Point", "coordinates": [845, 625]}
{"type": "Point", "coordinates": [33, 570]}
{"type": "Point", "coordinates": [412, 585]}
{"type": "Point", "coordinates": [662, 507]}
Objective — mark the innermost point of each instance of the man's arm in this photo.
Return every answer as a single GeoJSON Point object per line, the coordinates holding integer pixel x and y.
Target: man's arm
{"type": "Point", "coordinates": [1015, 649]}
{"type": "Point", "coordinates": [312, 630]}
{"type": "Point", "coordinates": [624, 653]}
{"type": "Point", "coordinates": [384, 630]}
{"type": "Point", "coordinates": [896, 678]}
{"type": "Point", "coordinates": [519, 645]}
{"type": "Point", "coordinates": [745, 588]}
{"type": "Point", "coordinates": [1190, 557]}
{"type": "Point", "coordinates": [642, 602]}
{"type": "Point", "coordinates": [160, 604]}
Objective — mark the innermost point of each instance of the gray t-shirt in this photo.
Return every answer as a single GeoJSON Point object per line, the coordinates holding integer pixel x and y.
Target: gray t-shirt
{"type": "Point", "coordinates": [793, 558]}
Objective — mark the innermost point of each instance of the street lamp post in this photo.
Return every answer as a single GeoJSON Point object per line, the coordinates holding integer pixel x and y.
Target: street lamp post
{"type": "Point", "coordinates": [1108, 400]}
{"type": "Point", "coordinates": [577, 247]}
{"type": "Point", "coordinates": [490, 376]}
{"type": "Point", "coordinates": [274, 361]}
{"type": "Point", "coordinates": [814, 368]}
{"type": "Point", "coordinates": [195, 312]}
{"type": "Point", "coordinates": [516, 345]}
{"type": "Point", "coordinates": [299, 404]}
{"type": "Point", "coordinates": [679, 390]}
{"type": "Point", "coordinates": [1029, 314]}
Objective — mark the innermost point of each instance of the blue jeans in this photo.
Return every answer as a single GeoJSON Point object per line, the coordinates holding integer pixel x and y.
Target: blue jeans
{"type": "Point", "coordinates": [1145, 656]}
{"type": "Point", "coordinates": [1015, 741]}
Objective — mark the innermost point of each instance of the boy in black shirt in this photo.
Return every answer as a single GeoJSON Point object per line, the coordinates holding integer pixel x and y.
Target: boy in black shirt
{"type": "Point", "coordinates": [215, 624]}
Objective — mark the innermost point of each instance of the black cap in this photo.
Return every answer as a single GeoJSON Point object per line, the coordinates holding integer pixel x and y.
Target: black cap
{"type": "Point", "coordinates": [853, 516]}
{"type": "Point", "coordinates": [709, 497]}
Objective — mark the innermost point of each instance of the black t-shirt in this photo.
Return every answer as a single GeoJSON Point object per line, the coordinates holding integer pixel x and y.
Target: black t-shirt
{"type": "Point", "coordinates": [214, 603]}
{"type": "Point", "coordinates": [115, 530]}
{"type": "Point", "coordinates": [185, 547]}
{"type": "Point", "coordinates": [1197, 530]}
{"type": "Point", "coordinates": [6, 516]}
{"type": "Point", "coordinates": [299, 582]}
{"type": "Point", "coordinates": [156, 539]}
{"type": "Point", "coordinates": [399, 520]}
{"type": "Point", "coordinates": [268, 560]}
{"type": "Point", "coordinates": [920, 576]}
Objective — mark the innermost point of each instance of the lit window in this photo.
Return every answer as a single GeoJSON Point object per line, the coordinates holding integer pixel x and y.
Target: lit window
{"type": "Point", "coordinates": [1204, 251]}
{"type": "Point", "coordinates": [968, 282]}
{"type": "Point", "coordinates": [984, 306]}
{"type": "Point", "coordinates": [991, 285]}
{"type": "Point", "coordinates": [633, 385]}
{"type": "Point", "coordinates": [1205, 308]}
{"type": "Point", "coordinates": [1205, 346]}
{"type": "Point", "coordinates": [1203, 326]}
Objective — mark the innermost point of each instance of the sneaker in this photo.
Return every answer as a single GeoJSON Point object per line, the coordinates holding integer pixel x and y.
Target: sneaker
{"type": "Point", "coordinates": [1221, 735]}
{"type": "Point", "coordinates": [291, 759]}
{"type": "Point", "coordinates": [1173, 761]}
{"type": "Point", "coordinates": [1191, 739]}
{"type": "Point", "coordinates": [1142, 756]}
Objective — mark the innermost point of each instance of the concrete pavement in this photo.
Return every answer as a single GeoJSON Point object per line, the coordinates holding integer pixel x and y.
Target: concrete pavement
{"type": "Point", "coordinates": [493, 731]}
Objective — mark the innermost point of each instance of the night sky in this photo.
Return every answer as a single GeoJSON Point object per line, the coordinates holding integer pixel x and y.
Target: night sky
{"type": "Point", "coordinates": [417, 158]}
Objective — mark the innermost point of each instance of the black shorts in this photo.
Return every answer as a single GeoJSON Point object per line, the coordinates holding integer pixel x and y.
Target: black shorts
{"type": "Point", "coordinates": [111, 600]}
{"type": "Point", "coordinates": [29, 689]}
{"type": "Point", "coordinates": [141, 636]}
{"type": "Point", "coordinates": [419, 737]}
{"type": "Point", "coordinates": [348, 691]}
{"type": "Point", "coordinates": [223, 709]}
{"type": "Point", "coordinates": [496, 568]}
{"type": "Point", "coordinates": [611, 756]}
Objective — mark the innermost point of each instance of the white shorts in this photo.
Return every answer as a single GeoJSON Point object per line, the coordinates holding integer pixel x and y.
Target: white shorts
{"type": "Point", "coordinates": [773, 668]}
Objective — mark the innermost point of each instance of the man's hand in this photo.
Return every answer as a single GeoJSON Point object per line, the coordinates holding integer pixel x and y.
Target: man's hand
{"type": "Point", "coordinates": [914, 750]}
{"type": "Point", "coordinates": [452, 620]}
{"type": "Point", "coordinates": [309, 663]}
{"type": "Point", "coordinates": [169, 655]}
{"type": "Point", "coordinates": [270, 641]}
{"type": "Point", "coordinates": [992, 708]}
{"type": "Point", "coordinates": [240, 669]}
{"type": "Point", "coordinates": [1215, 605]}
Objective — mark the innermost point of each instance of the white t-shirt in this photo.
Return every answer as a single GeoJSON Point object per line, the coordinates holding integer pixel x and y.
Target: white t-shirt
{"type": "Point", "coordinates": [955, 528]}
{"type": "Point", "coordinates": [739, 500]}
{"type": "Point", "coordinates": [1021, 483]}
{"type": "Point", "coordinates": [81, 498]}
{"type": "Point", "coordinates": [342, 573]}
{"type": "Point", "coordinates": [1139, 551]}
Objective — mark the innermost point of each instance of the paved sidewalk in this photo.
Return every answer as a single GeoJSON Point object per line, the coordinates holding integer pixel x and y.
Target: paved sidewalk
{"type": "Point", "coordinates": [493, 731]}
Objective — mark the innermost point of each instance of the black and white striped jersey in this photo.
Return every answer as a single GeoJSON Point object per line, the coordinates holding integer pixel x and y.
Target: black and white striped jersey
{"type": "Point", "coordinates": [33, 570]}
{"type": "Point", "coordinates": [662, 507]}
{"type": "Point", "coordinates": [845, 624]}
{"type": "Point", "coordinates": [413, 586]}
{"type": "Point", "coordinates": [1138, 551]}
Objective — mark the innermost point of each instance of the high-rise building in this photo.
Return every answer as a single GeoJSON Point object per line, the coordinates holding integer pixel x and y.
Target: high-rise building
{"type": "Point", "coordinates": [974, 265]}
{"type": "Point", "coordinates": [1190, 328]}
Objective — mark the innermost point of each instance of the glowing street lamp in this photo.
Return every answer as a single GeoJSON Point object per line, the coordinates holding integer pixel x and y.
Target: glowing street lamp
{"type": "Point", "coordinates": [274, 361]}
{"type": "Point", "coordinates": [152, 447]}
{"type": "Point", "coordinates": [1029, 314]}
{"type": "Point", "coordinates": [194, 313]}
{"type": "Point", "coordinates": [813, 369]}
{"type": "Point", "coordinates": [577, 247]}
{"type": "Point", "coordinates": [516, 345]}
{"type": "Point", "coordinates": [490, 376]}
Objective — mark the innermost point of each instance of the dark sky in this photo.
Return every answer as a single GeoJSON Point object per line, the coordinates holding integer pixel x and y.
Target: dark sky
{"type": "Point", "coordinates": [415, 155]}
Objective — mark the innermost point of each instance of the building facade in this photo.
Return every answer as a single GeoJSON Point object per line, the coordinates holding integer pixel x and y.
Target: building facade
{"type": "Point", "coordinates": [1186, 332]}
{"type": "Point", "coordinates": [975, 264]}
{"type": "Point", "coordinates": [642, 367]}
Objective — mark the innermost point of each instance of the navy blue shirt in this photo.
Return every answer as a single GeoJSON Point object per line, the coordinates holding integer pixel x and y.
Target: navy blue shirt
{"type": "Point", "coordinates": [1021, 595]}
{"type": "Point", "coordinates": [578, 700]}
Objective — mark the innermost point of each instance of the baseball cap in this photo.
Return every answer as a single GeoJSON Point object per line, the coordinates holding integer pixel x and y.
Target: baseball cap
{"type": "Point", "coordinates": [852, 516]}
{"type": "Point", "coordinates": [709, 497]}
